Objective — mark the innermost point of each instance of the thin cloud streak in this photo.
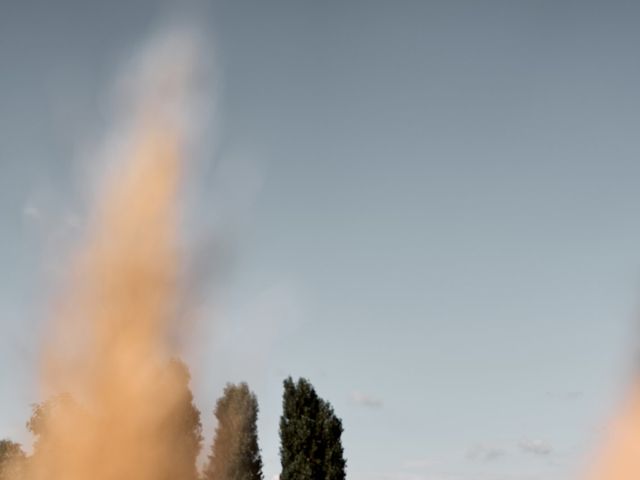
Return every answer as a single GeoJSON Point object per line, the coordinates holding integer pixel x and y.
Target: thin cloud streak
{"type": "Point", "coordinates": [365, 400]}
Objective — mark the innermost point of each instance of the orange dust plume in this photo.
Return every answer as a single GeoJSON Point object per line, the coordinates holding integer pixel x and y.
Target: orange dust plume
{"type": "Point", "coordinates": [121, 408]}
{"type": "Point", "coordinates": [620, 459]}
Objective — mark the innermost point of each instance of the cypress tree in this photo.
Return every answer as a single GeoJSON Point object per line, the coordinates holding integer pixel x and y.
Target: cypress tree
{"type": "Point", "coordinates": [334, 462]}
{"type": "Point", "coordinates": [310, 435]}
{"type": "Point", "coordinates": [235, 454]}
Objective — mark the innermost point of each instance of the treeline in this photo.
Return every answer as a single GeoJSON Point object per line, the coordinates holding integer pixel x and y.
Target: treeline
{"type": "Point", "coordinates": [310, 437]}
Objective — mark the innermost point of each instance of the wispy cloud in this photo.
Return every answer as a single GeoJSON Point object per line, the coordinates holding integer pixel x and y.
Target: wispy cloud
{"type": "Point", "coordinates": [364, 400]}
{"type": "Point", "coordinates": [31, 212]}
{"type": "Point", "coordinates": [535, 447]}
{"type": "Point", "coordinates": [484, 452]}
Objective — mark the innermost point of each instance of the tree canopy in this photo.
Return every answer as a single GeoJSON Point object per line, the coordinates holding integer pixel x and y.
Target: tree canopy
{"type": "Point", "coordinates": [235, 454]}
{"type": "Point", "coordinates": [182, 426]}
{"type": "Point", "coordinates": [310, 435]}
{"type": "Point", "coordinates": [12, 460]}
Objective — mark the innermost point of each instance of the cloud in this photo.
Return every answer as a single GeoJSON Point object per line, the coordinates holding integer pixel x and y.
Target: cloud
{"type": "Point", "coordinates": [535, 447]}
{"type": "Point", "coordinates": [484, 453]}
{"type": "Point", "coordinates": [31, 212]}
{"type": "Point", "coordinates": [365, 400]}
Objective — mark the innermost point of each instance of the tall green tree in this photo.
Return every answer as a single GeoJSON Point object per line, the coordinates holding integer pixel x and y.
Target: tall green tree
{"type": "Point", "coordinates": [12, 460]}
{"type": "Point", "coordinates": [235, 454]}
{"type": "Point", "coordinates": [310, 435]}
{"type": "Point", "coordinates": [333, 453]}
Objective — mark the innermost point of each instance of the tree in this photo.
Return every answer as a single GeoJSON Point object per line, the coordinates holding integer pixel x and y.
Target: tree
{"type": "Point", "coordinates": [334, 462]}
{"type": "Point", "coordinates": [162, 440]}
{"type": "Point", "coordinates": [12, 460]}
{"type": "Point", "coordinates": [182, 427]}
{"type": "Point", "coordinates": [49, 423]}
{"type": "Point", "coordinates": [310, 435]}
{"type": "Point", "coordinates": [235, 454]}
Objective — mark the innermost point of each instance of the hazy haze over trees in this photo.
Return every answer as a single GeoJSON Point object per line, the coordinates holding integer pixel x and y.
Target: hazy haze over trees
{"type": "Point", "coordinates": [310, 435]}
{"type": "Point", "coordinates": [235, 454]}
{"type": "Point", "coordinates": [183, 427]}
{"type": "Point", "coordinates": [12, 460]}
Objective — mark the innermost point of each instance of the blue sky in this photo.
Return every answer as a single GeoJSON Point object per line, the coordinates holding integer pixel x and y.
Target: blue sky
{"type": "Point", "coordinates": [433, 208]}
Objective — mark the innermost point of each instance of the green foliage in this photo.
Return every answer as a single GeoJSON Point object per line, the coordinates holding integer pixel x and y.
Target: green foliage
{"type": "Point", "coordinates": [334, 462]}
{"type": "Point", "coordinates": [310, 435]}
{"type": "Point", "coordinates": [300, 449]}
{"type": "Point", "coordinates": [12, 460]}
{"type": "Point", "coordinates": [235, 454]}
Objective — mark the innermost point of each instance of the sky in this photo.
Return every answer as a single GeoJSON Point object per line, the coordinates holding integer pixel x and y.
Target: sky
{"type": "Point", "coordinates": [432, 206]}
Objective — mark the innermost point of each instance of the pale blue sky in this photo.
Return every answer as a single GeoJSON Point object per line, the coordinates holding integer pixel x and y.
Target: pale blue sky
{"type": "Point", "coordinates": [438, 214]}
